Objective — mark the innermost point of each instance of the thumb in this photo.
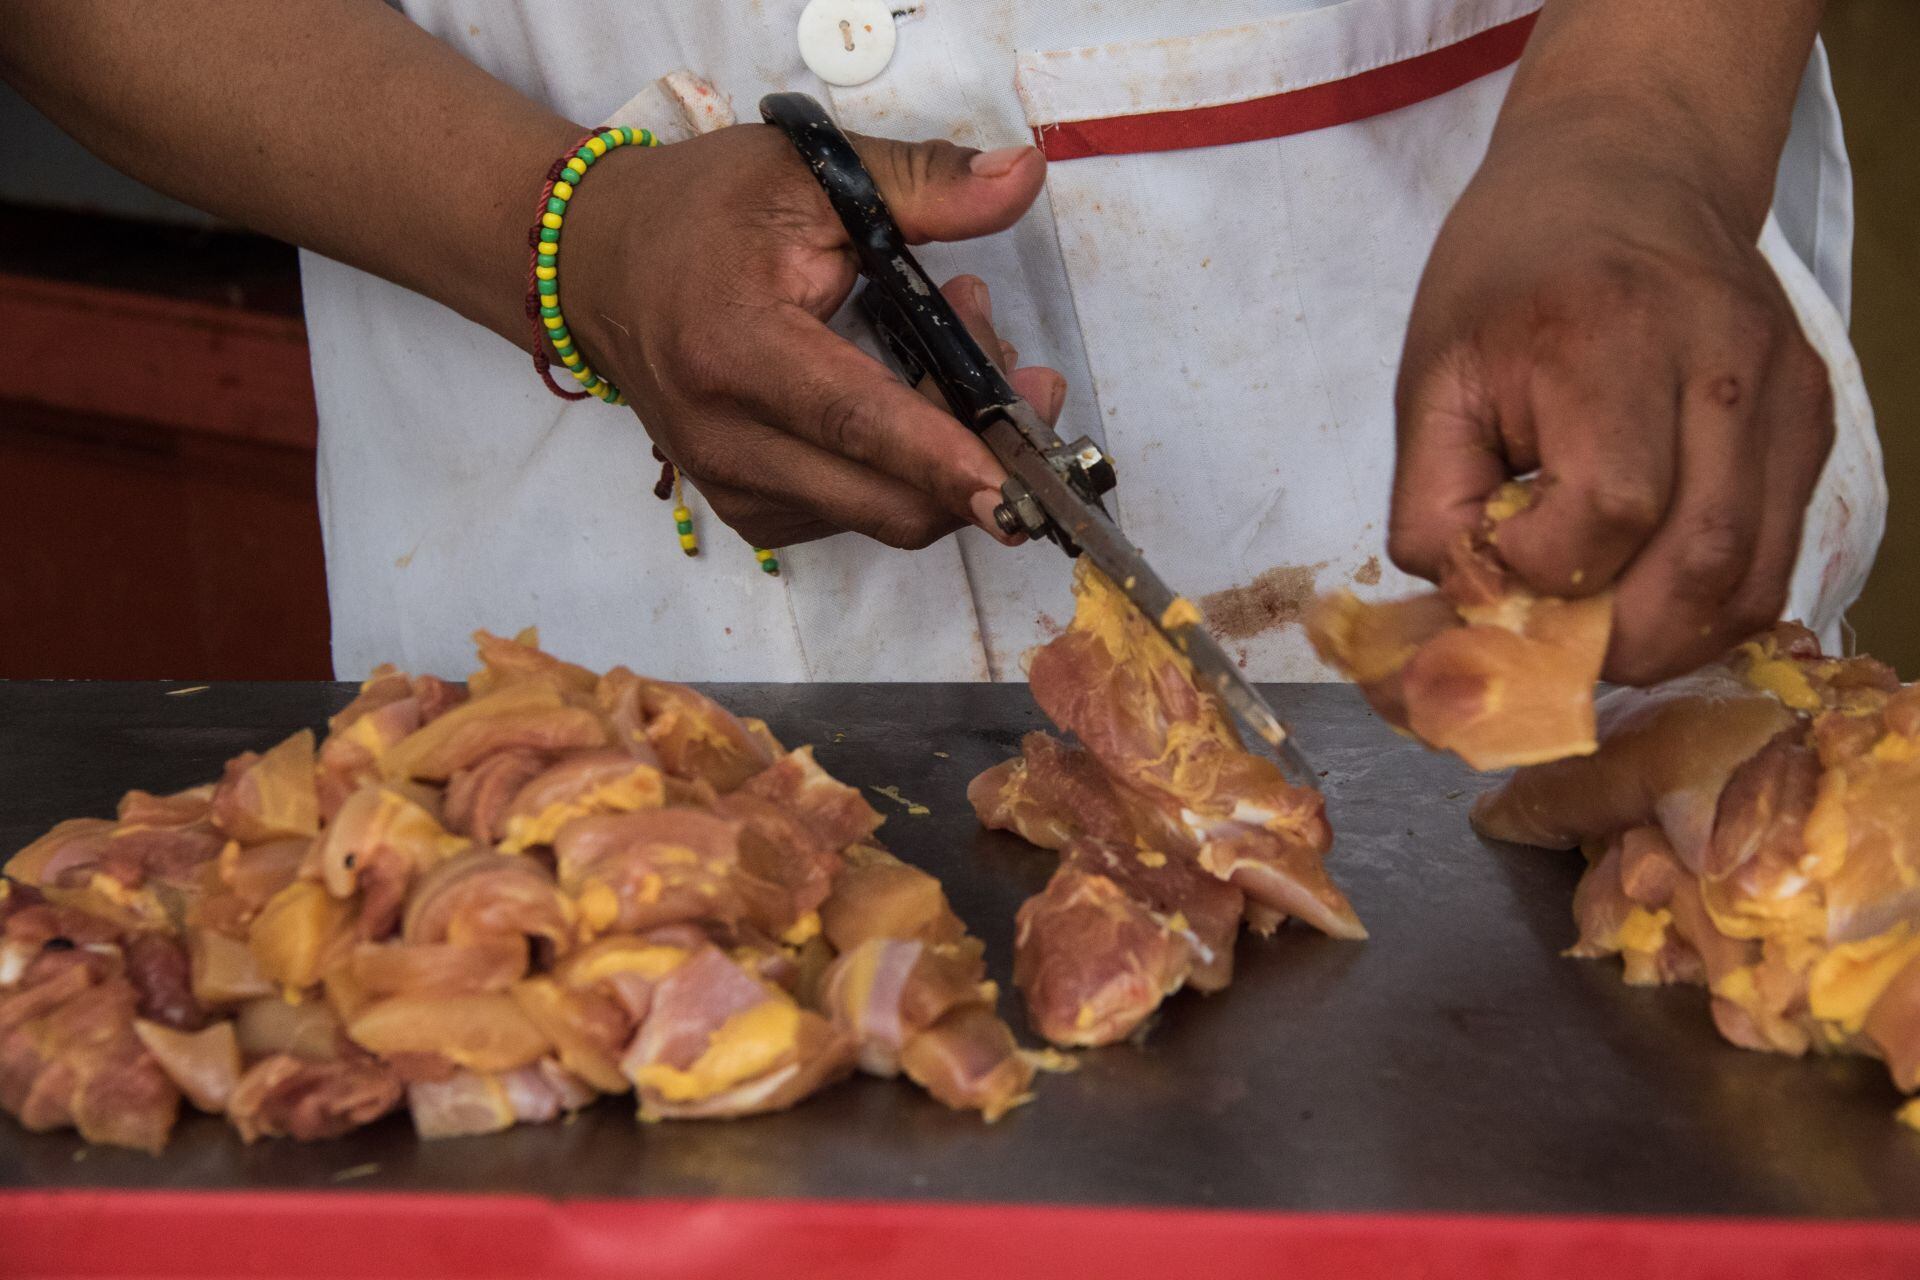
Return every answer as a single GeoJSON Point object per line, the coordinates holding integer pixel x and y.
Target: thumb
{"type": "Point", "coordinates": [939, 191]}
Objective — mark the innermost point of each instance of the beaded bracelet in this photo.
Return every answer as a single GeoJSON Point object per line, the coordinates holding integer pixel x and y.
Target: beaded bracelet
{"type": "Point", "coordinates": [543, 274]}
{"type": "Point", "coordinates": [550, 325]}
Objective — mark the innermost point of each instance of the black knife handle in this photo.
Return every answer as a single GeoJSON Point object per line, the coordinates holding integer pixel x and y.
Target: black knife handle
{"type": "Point", "coordinates": [909, 312]}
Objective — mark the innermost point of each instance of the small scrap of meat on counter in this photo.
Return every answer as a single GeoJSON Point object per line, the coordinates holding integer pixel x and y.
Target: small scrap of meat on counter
{"type": "Point", "coordinates": [1170, 833]}
{"type": "Point", "coordinates": [489, 905]}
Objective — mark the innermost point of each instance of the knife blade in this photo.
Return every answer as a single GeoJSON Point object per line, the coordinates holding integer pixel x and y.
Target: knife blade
{"type": "Point", "coordinates": [1039, 468]}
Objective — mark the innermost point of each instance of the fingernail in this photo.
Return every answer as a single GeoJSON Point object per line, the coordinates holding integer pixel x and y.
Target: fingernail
{"type": "Point", "coordinates": [995, 164]}
{"type": "Point", "coordinates": [983, 504]}
{"type": "Point", "coordinates": [983, 300]}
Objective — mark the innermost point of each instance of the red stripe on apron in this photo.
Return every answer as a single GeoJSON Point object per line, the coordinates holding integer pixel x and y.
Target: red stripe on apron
{"type": "Point", "coordinates": [1320, 106]}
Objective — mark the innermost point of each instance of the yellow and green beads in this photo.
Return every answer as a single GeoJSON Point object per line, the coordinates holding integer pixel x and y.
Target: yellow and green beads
{"type": "Point", "coordinates": [546, 263]}
{"type": "Point", "coordinates": [690, 541]}
{"type": "Point", "coordinates": [683, 522]}
{"type": "Point", "coordinates": [546, 281]}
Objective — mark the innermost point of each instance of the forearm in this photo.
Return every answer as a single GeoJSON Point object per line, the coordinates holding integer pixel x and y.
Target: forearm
{"type": "Point", "coordinates": [334, 124]}
{"type": "Point", "coordinates": [1705, 83]}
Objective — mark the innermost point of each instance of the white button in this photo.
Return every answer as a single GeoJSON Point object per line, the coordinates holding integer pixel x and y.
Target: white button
{"type": "Point", "coordinates": [847, 42]}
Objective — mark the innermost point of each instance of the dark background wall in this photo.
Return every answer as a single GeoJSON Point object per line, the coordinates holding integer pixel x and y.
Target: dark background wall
{"type": "Point", "coordinates": [1874, 45]}
{"type": "Point", "coordinates": [158, 515]}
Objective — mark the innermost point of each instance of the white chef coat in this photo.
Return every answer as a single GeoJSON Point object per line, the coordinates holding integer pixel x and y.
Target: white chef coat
{"type": "Point", "coordinates": [1224, 281]}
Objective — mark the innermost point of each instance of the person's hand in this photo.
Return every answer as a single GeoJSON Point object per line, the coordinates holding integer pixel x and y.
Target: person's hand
{"type": "Point", "coordinates": [1598, 313]}
{"type": "Point", "coordinates": [698, 278]}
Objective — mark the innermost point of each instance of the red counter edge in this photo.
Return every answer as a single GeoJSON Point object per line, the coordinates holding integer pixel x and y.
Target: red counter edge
{"type": "Point", "coordinates": [415, 1236]}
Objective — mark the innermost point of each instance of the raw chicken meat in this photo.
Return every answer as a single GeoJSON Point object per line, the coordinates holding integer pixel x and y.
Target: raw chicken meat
{"type": "Point", "coordinates": [1754, 828]}
{"type": "Point", "coordinates": [910, 990]}
{"type": "Point", "coordinates": [488, 905]}
{"type": "Point", "coordinates": [1482, 667]}
{"type": "Point", "coordinates": [1170, 831]}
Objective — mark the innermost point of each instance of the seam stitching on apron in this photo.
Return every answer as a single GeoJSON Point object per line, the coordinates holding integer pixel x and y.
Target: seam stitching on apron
{"type": "Point", "coordinates": [793, 620]}
{"type": "Point", "coordinates": [979, 616]}
{"type": "Point", "coordinates": [981, 643]}
{"type": "Point", "coordinates": [1080, 334]}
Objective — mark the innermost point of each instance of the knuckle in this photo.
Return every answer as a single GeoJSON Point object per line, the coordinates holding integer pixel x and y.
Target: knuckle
{"type": "Point", "coordinates": [1809, 402]}
{"type": "Point", "coordinates": [892, 160]}
{"type": "Point", "coordinates": [696, 370]}
{"type": "Point", "coordinates": [741, 523]}
{"type": "Point", "coordinates": [1750, 324]}
{"type": "Point", "coordinates": [1634, 659]}
{"type": "Point", "coordinates": [1727, 387]}
{"type": "Point", "coordinates": [841, 422]}
{"type": "Point", "coordinates": [699, 381]}
{"type": "Point", "coordinates": [913, 530]}
{"type": "Point", "coordinates": [1808, 377]}
{"type": "Point", "coordinates": [734, 511]}
{"type": "Point", "coordinates": [711, 453]}
{"type": "Point", "coordinates": [1714, 556]}
{"type": "Point", "coordinates": [1407, 549]}
{"type": "Point", "coordinates": [908, 166]}
{"type": "Point", "coordinates": [761, 523]}
{"type": "Point", "coordinates": [1610, 288]}
{"type": "Point", "coordinates": [1761, 602]}
{"type": "Point", "coordinates": [1762, 607]}
{"type": "Point", "coordinates": [927, 160]}
{"type": "Point", "coordinates": [1624, 505]}
{"type": "Point", "coordinates": [1729, 368]}
{"type": "Point", "coordinates": [701, 458]}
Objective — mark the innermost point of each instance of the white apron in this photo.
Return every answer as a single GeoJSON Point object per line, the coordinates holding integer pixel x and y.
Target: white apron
{"type": "Point", "coordinates": [1240, 200]}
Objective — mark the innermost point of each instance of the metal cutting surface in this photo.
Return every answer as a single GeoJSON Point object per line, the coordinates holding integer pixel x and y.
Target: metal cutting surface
{"type": "Point", "coordinates": [1453, 1063]}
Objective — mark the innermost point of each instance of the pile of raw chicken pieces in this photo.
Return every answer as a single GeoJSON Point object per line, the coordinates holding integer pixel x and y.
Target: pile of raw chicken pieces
{"type": "Point", "coordinates": [1753, 827]}
{"type": "Point", "coordinates": [491, 905]}
{"type": "Point", "coordinates": [1171, 834]}
{"type": "Point", "coordinates": [494, 904]}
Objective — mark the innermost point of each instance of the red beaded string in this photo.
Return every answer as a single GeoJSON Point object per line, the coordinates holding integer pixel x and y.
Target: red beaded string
{"type": "Point", "coordinates": [663, 487]}
{"type": "Point", "coordinates": [543, 363]}
{"type": "Point", "coordinates": [667, 488]}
